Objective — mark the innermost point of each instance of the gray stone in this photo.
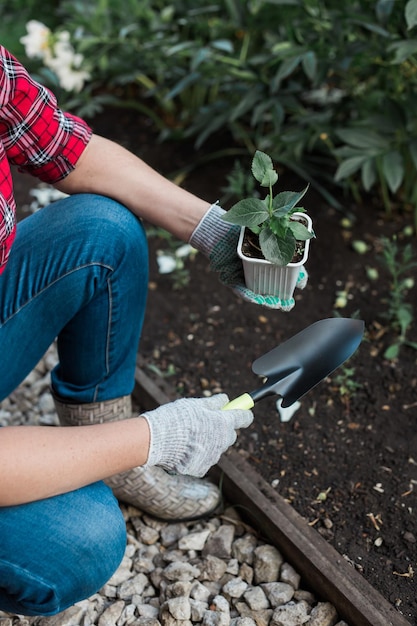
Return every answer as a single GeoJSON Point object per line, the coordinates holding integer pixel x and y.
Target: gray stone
{"type": "Point", "coordinates": [289, 575]}
{"type": "Point", "coordinates": [181, 571]}
{"type": "Point", "coordinates": [70, 617]}
{"type": "Point", "coordinates": [242, 621]}
{"type": "Point", "coordinates": [212, 568]}
{"type": "Point", "coordinates": [147, 621]}
{"type": "Point", "coordinates": [302, 594]}
{"type": "Point", "coordinates": [219, 613]}
{"type": "Point", "coordinates": [324, 614]}
{"type": "Point", "coordinates": [180, 588]}
{"type": "Point", "coordinates": [243, 548]}
{"type": "Point", "coordinates": [123, 572]}
{"type": "Point", "coordinates": [233, 567]}
{"type": "Point", "coordinates": [198, 608]}
{"type": "Point", "coordinates": [193, 541]}
{"type": "Point", "coordinates": [221, 604]}
{"type": "Point", "coordinates": [267, 564]}
{"type": "Point", "coordinates": [112, 614]}
{"type": "Point", "coordinates": [179, 608]}
{"type": "Point", "coordinates": [246, 573]}
{"type": "Point", "coordinates": [278, 593]}
{"type": "Point", "coordinates": [220, 542]}
{"type": "Point", "coordinates": [146, 610]}
{"type": "Point", "coordinates": [235, 588]}
{"type": "Point", "coordinates": [256, 599]}
{"type": "Point", "coordinates": [171, 533]}
{"type": "Point", "coordinates": [144, 558]}
{"type": "Point", "coordinates": [200, 592]}
{"type": "Point", "coordinates": [132, 586]}
{"type": "Point", "coordinates": [292, 614]}
{"type": "Point", "coordinates": [262, 618]}
{"type": "Point", "coordinates": [146, 534]}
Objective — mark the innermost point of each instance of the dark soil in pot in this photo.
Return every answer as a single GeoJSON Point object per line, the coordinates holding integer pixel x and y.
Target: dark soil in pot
{"type": "Point", "coordinates": [252, 249]}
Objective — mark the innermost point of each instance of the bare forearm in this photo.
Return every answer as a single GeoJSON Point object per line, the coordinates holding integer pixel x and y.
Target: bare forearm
{"type": "Point", "coordinates": [39, 461]}
{"type": "Point", "coordinates": [109, 169]}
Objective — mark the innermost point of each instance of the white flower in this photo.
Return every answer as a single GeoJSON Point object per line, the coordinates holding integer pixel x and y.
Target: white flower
{"type": "Point", "coordinates": [71, 79]}
{"type": "Point", "coordinates": [166, 263]}
{"type": "Point", "coordinates": [60, 56]}
{"type": "Point", "coordinates": [324, 95]}
{"type": "Point", "coordinates": [63, 51]}
{"type": "Point", "coordinates": [44, 195]}
{"type": "Point", "coordinates": [36, 42]}
{"type": "Point", "coordinates": [66, 63]}
{"type": "Point", "coordinates": [184, 251]}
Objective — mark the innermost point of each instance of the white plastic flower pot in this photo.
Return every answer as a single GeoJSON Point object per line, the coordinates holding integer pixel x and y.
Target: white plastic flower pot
{"type": "Point", "coordinates": [266, 278]}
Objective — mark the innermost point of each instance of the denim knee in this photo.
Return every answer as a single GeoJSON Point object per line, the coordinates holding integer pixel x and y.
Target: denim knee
{"type": "Point", "coordinates": [86, 284]}
{"type": "Point", "coordinates": [110, 219]}
{"type": "Point", "coordinates": [98, 347]}
{"type": "Point", "coordinates": [71, 559]}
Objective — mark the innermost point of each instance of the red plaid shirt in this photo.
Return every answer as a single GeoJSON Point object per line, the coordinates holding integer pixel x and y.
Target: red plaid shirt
{"type": "Point", "coordinates": [35, 135]}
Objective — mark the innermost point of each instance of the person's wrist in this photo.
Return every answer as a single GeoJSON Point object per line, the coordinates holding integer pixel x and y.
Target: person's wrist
{"type": "Point", "coordinates": [209, 230]}
{"type": "Point", "coordinates": [144, 437]}
{"type": "Point", "coordinates": [166, 443]}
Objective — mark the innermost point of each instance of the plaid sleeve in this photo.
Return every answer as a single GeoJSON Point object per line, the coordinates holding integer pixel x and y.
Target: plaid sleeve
{"type": "Point", "coordinates": [7, 212]}
{"type": "Point", "coordinates": [38, 137]}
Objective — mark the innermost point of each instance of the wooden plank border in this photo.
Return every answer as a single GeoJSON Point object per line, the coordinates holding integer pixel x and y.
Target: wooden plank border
{"type": "Point", "coordinates": [327, 573]}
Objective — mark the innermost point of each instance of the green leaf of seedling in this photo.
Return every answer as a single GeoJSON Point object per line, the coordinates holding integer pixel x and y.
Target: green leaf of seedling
{"type": "Point", "coordinates": [280, 252]}
{"type": "Point", "coordinates": [269, 179]}
{"type": "Point", "coordinates": [300, 232]}
{"type": "Point", "coordinates": [263, 169]}
{"type": "Point", "coordinates": [279, 226]}
{"type": "Point", "coordinates": [405, 318]}
{"type": "Point", "coordinates": [286, 201]}
{"type": "Point", "coordinates": [392, 352]}
{"type": "Point", "coordinates": [249, 212]}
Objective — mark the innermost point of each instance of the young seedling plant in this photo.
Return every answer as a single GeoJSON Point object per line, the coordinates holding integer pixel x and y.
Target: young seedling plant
{"type": "Point", "coordinates": [271, 218]}
{"type": "Point", "coordinates": [399, 313]}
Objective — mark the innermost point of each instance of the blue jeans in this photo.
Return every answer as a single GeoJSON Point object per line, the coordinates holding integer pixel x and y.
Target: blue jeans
{"type": "Point", "coordinates": [60, 550]}
{"type": "Point", "coordinates": [78, 272]}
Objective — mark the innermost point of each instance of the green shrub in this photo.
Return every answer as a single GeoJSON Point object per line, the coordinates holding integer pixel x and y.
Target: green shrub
{"type": "Point", "coordinates": [325, 87]}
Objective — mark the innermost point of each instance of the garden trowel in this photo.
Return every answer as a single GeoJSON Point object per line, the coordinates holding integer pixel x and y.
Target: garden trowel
{"type": "Point", "coordinates": [300, 363]}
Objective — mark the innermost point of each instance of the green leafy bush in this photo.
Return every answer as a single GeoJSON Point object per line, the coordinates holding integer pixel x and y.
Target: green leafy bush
{"type": "Point", "coordinates": [327, 88]}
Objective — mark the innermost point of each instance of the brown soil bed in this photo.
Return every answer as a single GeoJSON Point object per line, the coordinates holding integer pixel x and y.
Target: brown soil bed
{"type": "Point", "coordinates": [346, 461]}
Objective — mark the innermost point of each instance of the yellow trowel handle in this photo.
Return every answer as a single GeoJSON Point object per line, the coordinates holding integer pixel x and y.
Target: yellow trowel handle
{"type": "Point", "coordinates": [245, 401]}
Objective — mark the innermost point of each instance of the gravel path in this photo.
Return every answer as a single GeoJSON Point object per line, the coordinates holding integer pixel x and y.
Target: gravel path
{"type": "Point", "coordinates": [215, 572]}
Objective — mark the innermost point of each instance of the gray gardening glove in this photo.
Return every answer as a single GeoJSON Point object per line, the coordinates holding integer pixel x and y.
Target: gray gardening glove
{"type": "Point", "coordinates": [188, 436]}
{"type": "Point", "coordinates": [218, 239]}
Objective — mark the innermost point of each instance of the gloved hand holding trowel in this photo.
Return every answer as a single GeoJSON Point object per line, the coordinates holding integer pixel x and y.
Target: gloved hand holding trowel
{"type": "Point", "coordinates": [291, 369]}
